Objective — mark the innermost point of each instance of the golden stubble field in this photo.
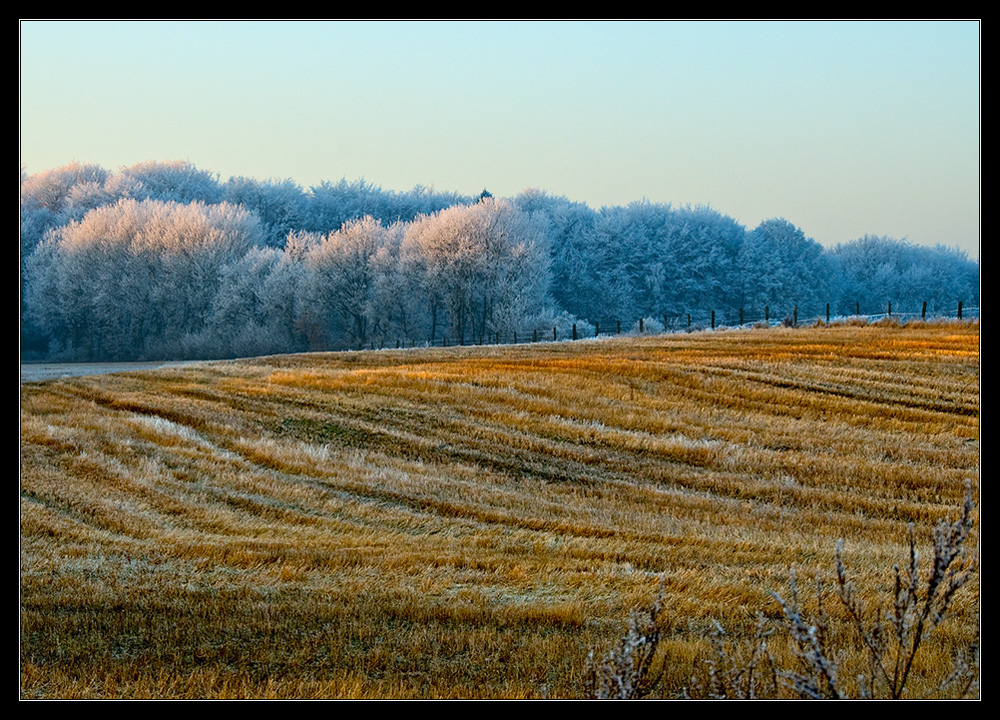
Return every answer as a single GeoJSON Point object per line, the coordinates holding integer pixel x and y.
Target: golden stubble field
{"type": "Point", "coordinates": [472, 522]}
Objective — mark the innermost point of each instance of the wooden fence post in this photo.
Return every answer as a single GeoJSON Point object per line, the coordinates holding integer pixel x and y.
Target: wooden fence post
{"type": "Point", "coordinates": [713, 319]}
{"type": "Point", "coordinates": [923, 311]}
{"type": "Point", "coordinates": [959, 309]}
{"type": "Point", "coordinates": [828, 313]}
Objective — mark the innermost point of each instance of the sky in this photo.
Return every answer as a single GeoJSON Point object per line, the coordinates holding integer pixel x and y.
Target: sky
{"type": "Point", "coordinates": [842, 128]}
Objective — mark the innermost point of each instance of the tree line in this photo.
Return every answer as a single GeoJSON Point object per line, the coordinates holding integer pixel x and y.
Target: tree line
{"type": "Point", "coordinates": [164, 260]}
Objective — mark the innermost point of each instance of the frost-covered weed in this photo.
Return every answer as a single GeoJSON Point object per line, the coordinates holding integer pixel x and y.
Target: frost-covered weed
{"type": "Point", "coordinates": [890, 637]}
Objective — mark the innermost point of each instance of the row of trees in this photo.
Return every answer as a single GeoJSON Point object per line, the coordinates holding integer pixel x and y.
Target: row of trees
{"type": "Point", "coordinates": [164, 260]}
{"type": "Point", "coordinates": [151, 279]}
{"type": "Point", "coordinates": [56, 197]}
{"type": "Point", "coordinates": [651, 260]}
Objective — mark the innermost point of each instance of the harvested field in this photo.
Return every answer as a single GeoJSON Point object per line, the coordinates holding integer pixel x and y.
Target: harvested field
{"type": "Point", "coordinates": [471, 522]}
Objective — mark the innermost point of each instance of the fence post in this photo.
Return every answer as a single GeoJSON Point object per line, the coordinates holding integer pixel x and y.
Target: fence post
{"type": "Point", "coordinates": [795, 316]}
{"type": "Point", "coordinates": [597, 329]}
{"type": "Point", "coordinates": [923, 311]}
{"type": "Point", "coordinates": [890, 308]}
{"type": "Point", "coordinates": [619, 325]}
{"type": "Point", "coordinates": [828, 313]}
{"type": "Point", "coordinates": [767, 313]}
{"type": "Point", "coordinates": [713, 319]}
{"type": "Point", "coordinates": [857, 307]}
{"type": "Point", "coordinates": [640, 326]}
{"type": "Point", "coordinates": [959, 309]}
{"type": "Point", "coordinates": [689, 321]}
{"type": "Point", "coordinates": [515, 337]}
{"type": "Point", "coordinates": [534, 335]}
{"type": "Point", "coordinates": [574, 331]}
{"type": "Point", "coordinates": [553, 333]}
{"type": "Point", "coordinates": [664, 323]}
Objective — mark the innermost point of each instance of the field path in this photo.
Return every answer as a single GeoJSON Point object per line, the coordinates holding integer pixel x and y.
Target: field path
{"type": "Point", "coordinates": [38, 372]}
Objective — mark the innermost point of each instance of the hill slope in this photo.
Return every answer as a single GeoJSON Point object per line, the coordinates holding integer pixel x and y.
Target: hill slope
{"type": "Point", "coordinates": [470, 522]}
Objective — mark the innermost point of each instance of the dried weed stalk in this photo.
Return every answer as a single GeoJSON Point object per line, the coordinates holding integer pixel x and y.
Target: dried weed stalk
{"type": "Point", "coordinates": [891, 638]}
{"type": "Point", "coordinates": [628, 672]}
{"type": "Point", "coordinates": [735, 671]}
{"type": "Point", "coordinates": [892, 644]}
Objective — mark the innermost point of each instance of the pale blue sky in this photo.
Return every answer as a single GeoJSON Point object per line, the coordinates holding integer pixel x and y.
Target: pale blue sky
{"type": "Point", "coordinates": [843, 128]}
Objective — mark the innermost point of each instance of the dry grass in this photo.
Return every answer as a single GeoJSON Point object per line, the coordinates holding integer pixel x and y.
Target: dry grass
{"type": "Point", "coordinates": [471, 522]}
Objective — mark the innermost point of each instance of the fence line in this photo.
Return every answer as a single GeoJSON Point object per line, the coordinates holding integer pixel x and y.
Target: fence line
{"type": "Point", "coordinates": [685, 322]}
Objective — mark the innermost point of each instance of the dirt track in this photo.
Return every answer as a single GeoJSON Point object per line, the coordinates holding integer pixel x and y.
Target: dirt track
{"type": "Point", "coordinates": [37, 372]}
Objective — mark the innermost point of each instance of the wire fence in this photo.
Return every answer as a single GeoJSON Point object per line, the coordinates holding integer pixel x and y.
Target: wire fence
{"type": "Point", "coordinates": [685, 322]}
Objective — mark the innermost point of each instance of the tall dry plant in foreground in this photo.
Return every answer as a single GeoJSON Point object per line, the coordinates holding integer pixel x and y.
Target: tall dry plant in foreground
{"type": "Point", "coordinates": [629, 671]}
{"type": "Point", "coordinates": [891, 638]}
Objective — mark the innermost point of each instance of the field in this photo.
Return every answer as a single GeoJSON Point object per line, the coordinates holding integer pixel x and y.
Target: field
{"type": "Point", "coordinates": [472, 522]}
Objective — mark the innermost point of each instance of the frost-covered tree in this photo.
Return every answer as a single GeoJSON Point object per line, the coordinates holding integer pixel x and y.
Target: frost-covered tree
{"type": "Point", "coordinates": [682, 260]}
{"type": "Point", "coordinates": [407, 206]}
{"type": "Point", "coordinates": [485, 264]}
{"type": "Point", "coordinates": [135, 279]}
{"type": "Point", "coordinates": [279, 204]}
{"type": "Point", "coordinates": [568, 227]}
{"type": "Point", "coordinates": [614, 267]}
{"type": "Point", "coordinates": [331, 204]}
{"type": "Point", "coordinates": [55, 197]}
{"type": "Point", "coordinates": [880, 270]}
{"type": "Point", "coordinates": [174, 181]}
{"type": "Point", "coordinates": [397, 292]}
{"type": "Point", "coordinates": [342, 270]}
{"type": "Point", "coordinates": [253, 311]}
{"type": "Point", "coordinates": [783, 270]}
{"type": "Point", "coordinates": [650, 260]}
{"type": "Point", "coordinates": [705, 256]}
